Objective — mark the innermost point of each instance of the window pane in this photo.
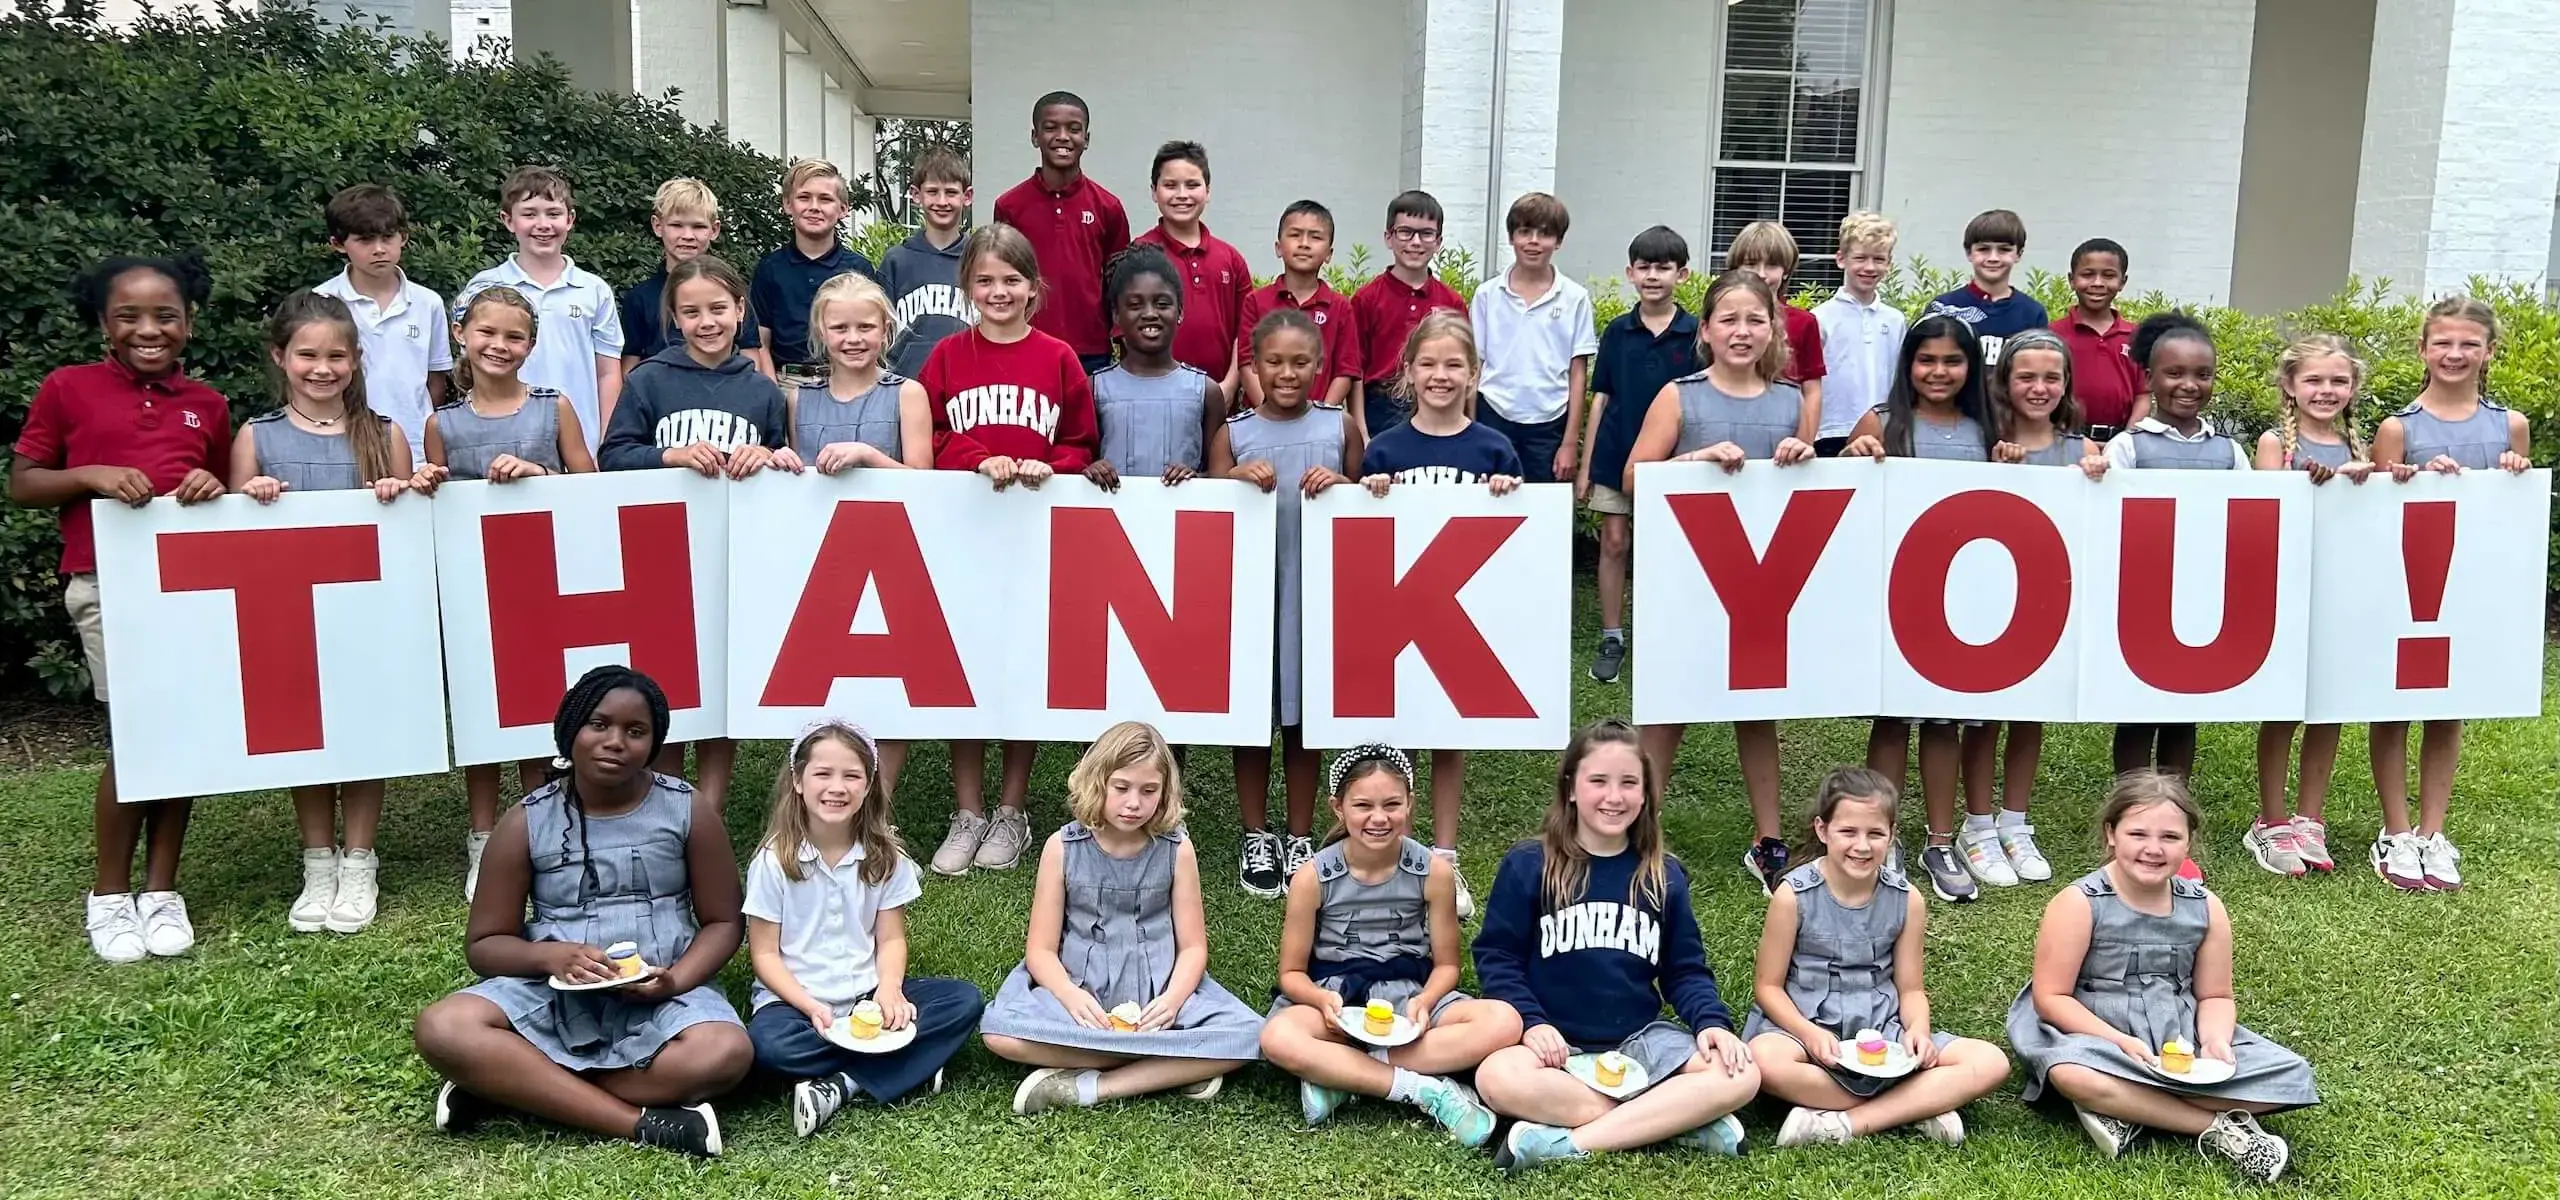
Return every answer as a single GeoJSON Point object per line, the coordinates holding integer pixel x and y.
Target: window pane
{"type": "Point", "coordinates": [1812, 204]}
{"type": "Point", "coordinates": [1825, 129]}
{"type": "Point", "coordinates": [1831, 38]}
{"type": "Point", "coordinates": [1760, 34]}
{"type": "Point", "coordinates": [1754, 118]}
{"type": "Point", "coordinates": [1743, 195]}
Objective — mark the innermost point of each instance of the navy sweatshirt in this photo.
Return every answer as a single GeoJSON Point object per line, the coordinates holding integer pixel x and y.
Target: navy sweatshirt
{"type": "Point", "coordinates": [923, 282]}
{"type": "Point", "coordinates": [1597, 969]}
{"type": "Point", "coordinates": [672, 401]}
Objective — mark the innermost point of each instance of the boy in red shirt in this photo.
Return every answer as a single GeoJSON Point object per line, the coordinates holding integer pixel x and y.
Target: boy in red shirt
{"type": "Point", "coordinates": [1768, 250]}
{"type": "Point", "coordinates": [1305, 245]}
{"type": "Point", "coordinates": [1215, 280]}
{"type": "Point", "coordinates": [1074, 227]}
{"type": "Point", "coordinates": [1390, 305]}
{"type": "Point", "coordinates": [128, 428]}
{"type": "Point", "coordinates": [2103, 377]}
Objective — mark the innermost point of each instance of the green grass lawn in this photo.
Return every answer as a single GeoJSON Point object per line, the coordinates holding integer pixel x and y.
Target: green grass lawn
{"type": "Point", "coordinates": [276, 1064]}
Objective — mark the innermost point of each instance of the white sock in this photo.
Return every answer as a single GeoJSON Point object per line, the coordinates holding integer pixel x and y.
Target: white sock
{"type": "Point", "coordinates": [1088, 1088]}
{"type": "Point", "coordinates": [1407, 1086]}
{"type": "Point", "coordinates": [2009, 819]}
{"type": "Point", "coordinates": [1613, 634]}
{"type": "Point", "coordinates": [1974, 824]}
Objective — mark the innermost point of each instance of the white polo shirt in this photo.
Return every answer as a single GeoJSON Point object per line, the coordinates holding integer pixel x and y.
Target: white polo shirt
{"type": "Point", "coordinates": [1861, 343]}
{"type": "Point", "coordinates": [1529, 346]}
{"type": "Point", "coordinates": [403, 342]}
{"type": "Point", "coordinates": [826, 921]}
{"type": "Point", "coordinates": [578, 324]}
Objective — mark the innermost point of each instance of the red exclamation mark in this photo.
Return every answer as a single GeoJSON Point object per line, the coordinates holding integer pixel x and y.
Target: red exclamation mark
{"type": "Point", "coordinates": [2426, 555]}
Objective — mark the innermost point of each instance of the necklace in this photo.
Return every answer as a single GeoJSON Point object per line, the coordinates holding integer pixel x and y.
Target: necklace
{"type": "Point", "coordinates": [297, 411]}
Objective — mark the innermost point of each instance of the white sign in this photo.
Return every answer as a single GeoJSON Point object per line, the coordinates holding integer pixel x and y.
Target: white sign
{"type": "Point", "coordinates": [1979, 589]}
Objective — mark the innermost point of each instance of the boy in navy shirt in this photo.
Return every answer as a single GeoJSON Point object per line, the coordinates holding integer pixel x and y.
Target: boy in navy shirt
{"type": "Point", "coordinates": [1988, 305]}
{"type": "Point", "coordinates": [922, 274]}
{"type": "Point", "coordinates": [787, 280]}
{"type": "Point", "coordinates": [685, 218]}
{"type": "Point", "coordinates": [1646, 347]}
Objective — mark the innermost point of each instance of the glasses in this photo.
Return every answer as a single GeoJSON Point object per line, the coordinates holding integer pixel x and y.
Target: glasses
{"type": "Point", "coordinates": [1407, 233]}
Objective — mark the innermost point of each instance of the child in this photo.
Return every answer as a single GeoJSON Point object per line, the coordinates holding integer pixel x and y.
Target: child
{"type": "Point", "coordinates": [499, 429]}
{"type": "Point", "coordinates": [1214, 299]}
{"type": "Point", "coordinates": [2131, 958]}
{"type": "Point", "coordinates": [813, 194]}
{"type": "Point", "coordinates": [1113, 996]}
{"type": "Point", "coordinates": [1839, 955]}
{"type": "Point", "coordinates": [685, 217]}
{"type": "Point", "coordinates": [1645, 348]}
{"type": "Point", "coordinates": [1587, 934]}
{"type": "Point", "coordinates": [1766, 249]}
{"type": "Point", "coordinates": [862, 415]}
{"type": "Point", "coordinates": [922, 274]}
{"type": "Point", "coordinates": [1936, 411]}
{"type": "Point", "coordinates": [407, 346]}
{"type": "Point", "coordinates": [1442, 445]}
{"type": "Point", "coordinates": [1987, 303]}
{"type": "Point", "coordinates": [324, 438]}
{"type": "Point", "coordinates": [1305, 245]}
{"type": "Point", "coordinates": [1011, 403]}
{"type": "Point", "coordinates": [1293, 445]}
{"type": "Point", "coordinates": [582, 356]}
{"type": "Point", "coordinates": [86, 435]}
{"type": "Point", "coordinates": [2109, 387]}
{"type": "Point", "coordinates": [826, 913]}
{"type": "Point", "coordinates": [1373, 918]}
{"type": "Point", "coordinates": [2032, 402]}
{"type": "Point", "coordinates": [2452, 427]}
{"type": "Point", "coordinates": [1074, 226]}
{"type": "Point", "coordinates": [1861, 334]}
{"type": "Point", "coordinates": [1391, 304]}
{"type": "Point", "coordinates": [701, 405]}
{"type": "Point", "coordinates": [2177, 358]}
{"type": "Point", "coordinates": [1158, 413]}
{"type": "Point", "coordinates": [2317, 376]}
{"type": "Point", "coordinates": [1735, 410]}
{"type": "Point", "coordinates": [1535, 363]}
{"type": "Point", "coordinates": [607, 852]}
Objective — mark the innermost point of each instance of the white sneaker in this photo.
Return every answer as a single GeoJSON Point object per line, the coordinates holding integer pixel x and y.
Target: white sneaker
{"type": "Point", "coordinates": [1985, 859]}
{"type": "Point", "coordinates": [115, 929]}
{"type": "Point", "coordinates": [960, 846]}
{"type": "Point", "coordinates": [1296, 852]}
{"type": "Point", "coordinates": [2109, 1134]}
{"type": "Point", "coordinates": [1466, 899]}
{"type": "Point", "coordinates": [1008, 835]}
{"type": "Point", "coordinates": [2025, 857]}
{"type": "Point", "coordinates": [2237, 1137]}
{"type": "Point", "coordinates": [2275, 848]}
{"type": "Point", "coordinates": [2396, 859]}
{"type": "Point", "coordinates": [1946, 1129]}
{"type": "Point", "coordinates": [310, 911]}
{"type": "Point", "coordinates": [473, 846]}
{"type": "Point", "coordinates": [2440, 863]}
{"type": "Point", "coordinates": [357, 892]}
{"type": "Point", "coordinates": [166, 931]}
{"type": "Point", "coordinates": [1814, 1127]}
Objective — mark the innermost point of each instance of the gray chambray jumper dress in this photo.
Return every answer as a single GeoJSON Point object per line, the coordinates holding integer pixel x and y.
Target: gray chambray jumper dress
{"type": "Point", "coordinates": [1361, 923]}
{"type": "Point", "coordinates": [2139, 976]}
{"type": "Point", "coordinates": [1291, 447]}
{"type": "Point", "coordinates": [2475, 441]}
{"type": "Point", "coordinates": [640, 890]}
{"type": "Point", "coordinates": [1959, 442]}
{"type": "Point", "coordinates": [2159, 450]}
{"type": "Point", "coordinates": [1709, 415]}
{"type": "Point", "coordinates": [472, 442]}
{"type": "Point", "coordinates": [2066, 450]}
{"type": "Point", "coordinates": [1152, 422]}
{"type": "Point", "coordinates": [1841, 975]}
{"type": "Point", "coordinates": [1118, 944]}
{"type": "Point", "coordinates": [819, 420]}
{"type": "Point", "coordinates": [2332, 455]}
{"type": "Point", "coordinates": [305, 461]}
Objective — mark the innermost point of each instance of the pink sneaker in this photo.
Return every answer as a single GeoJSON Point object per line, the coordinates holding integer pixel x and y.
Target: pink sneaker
{"type": "Point", "coordinates": [2311, 841]}
{"type": "Point", "coordinates": [2276, 849]}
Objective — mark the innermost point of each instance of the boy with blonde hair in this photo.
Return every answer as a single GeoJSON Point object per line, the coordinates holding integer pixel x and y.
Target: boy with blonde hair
{"type": "Point", "coordinates": [1861, 334]}
{"type": "Point", "coordinates": [1766, 249]}
{"type": "Point", "coordinates": [579, 350]}
{"type": "Point", "coordinates": [814, 194]}
{"type": "Point", "coordinates": [685, 218]}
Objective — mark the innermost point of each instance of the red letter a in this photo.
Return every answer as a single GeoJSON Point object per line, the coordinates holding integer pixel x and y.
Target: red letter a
{"type": "Point", "coordinates": [1376, 615]}
{"type": "Point", "coordinates": [869, 543]}
{"type": "Point", "coordinates": [1094, 572]}
{"type": "Point", "coordinates": [1758, 590]}
{"type": "Point", "coordinates": [531, 623]}
{"type": "Point", "coordinates": [2146, 579]}
{"type": "Point", "coordinates": [270, 574]}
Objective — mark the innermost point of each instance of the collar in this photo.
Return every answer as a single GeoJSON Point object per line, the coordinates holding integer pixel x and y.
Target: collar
{"type": "Point", "coordinates": [1845, 300]}
{"type": "Point", "coordinates": [1324, 294]}
{"type": "Point", "coordinates": [2120, 325]}
{"type": "Point", "coordinates": [1163, 237]}
{"type": "Point", "coordinates": [343, 286]}
{"type": "Point", "coordinates": [1081, 182]}
{"type": "Point", "coordinates": [2151, 424]}
{"type": "Point", "coordinates": [1974, 290]}
{"type": "Point", "coordinates": [1429, 284]}
{"type": "Point", "coordinates": [1555, 288]}
{"type": "Point", "coordinates": [827, 259]}
{"type": "Point", "coordinates": [809, 854]}
{"type": "Point", "coordinates": [163, 384]}
{"type": "Point", "coordinates": [1683, 324]}
{"type": "Point", "coordinates": [514, 274]}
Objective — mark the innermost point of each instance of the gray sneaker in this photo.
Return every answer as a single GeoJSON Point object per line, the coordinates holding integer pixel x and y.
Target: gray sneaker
{"type": "Point", "coordinates": [1045, 1089]}
{"type": "Point", "coordinates": [2237, 1136]}
{"type": "Point", "coordinates": [1608, 660]}
{"type": "Point", "coordinates": [2108, 1134]}
{"type": "Point", "coordinates": [1947, 875]}
{"type": "Point", "coordinates": [1007, 836]}
{"type": "Point", "coordinates": [960, 846]}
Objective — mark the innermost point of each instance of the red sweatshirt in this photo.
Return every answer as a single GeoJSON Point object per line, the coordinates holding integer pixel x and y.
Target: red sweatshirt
{"type": "Point", "coordinates": [1025, 399]}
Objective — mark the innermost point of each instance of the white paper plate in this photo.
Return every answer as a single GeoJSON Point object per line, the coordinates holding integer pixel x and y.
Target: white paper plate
{"type": "Point", "coordinates": [1351, 1021]}
{"type": "Point", "coordinates": [1585, 1067]}
{"type": "Point", "coordinates": [562, 985]}
{"type": "Point", "coordinates": [888, 1040]}
{"type": "Point", "coordinates": [1898, 1061]}
{"type": "Point", "coordinates": [2205, 1073]}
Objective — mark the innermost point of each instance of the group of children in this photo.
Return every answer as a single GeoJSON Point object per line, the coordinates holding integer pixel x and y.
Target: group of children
{"type": "Point", "coordinates": [599, 1010]}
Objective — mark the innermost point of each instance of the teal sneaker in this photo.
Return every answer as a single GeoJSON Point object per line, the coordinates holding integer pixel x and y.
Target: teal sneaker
{"type": "Point", "coordinates": [1317, 1102]}
{"type": "Point", "coordinates": [1531, 1144]}
{"type": "Point", "coordinates": [1468, 1121]}
{"type": "Point", "coordinates": [1720, 1136]}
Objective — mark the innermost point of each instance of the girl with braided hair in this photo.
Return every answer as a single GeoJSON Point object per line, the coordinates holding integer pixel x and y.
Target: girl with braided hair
{"type": "Point", "coordinates": [1373, 918]}
{"type": "Point", "coordinates": [607, 852]}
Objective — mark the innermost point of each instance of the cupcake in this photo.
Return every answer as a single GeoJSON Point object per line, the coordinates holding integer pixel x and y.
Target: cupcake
{"type": "Point", "coordinates": [863, 1022]}
{"type": "Point", "coordinates": [626, 960]}
{"type": "Point", "coordinates": [2176, 1057]}
{"type": "Point", "coordinates": [1610, 1069]}
{"type": "Point", "coordinates": [1125, 1018]}
{"type": "Point", "coordinates": [1871, 1047]}
{"type": "Point", "coordinates": [1379, 1018]}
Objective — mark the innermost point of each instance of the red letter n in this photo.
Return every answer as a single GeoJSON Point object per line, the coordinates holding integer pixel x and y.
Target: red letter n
{"type": "Point", "coordinates": [1094, 575]}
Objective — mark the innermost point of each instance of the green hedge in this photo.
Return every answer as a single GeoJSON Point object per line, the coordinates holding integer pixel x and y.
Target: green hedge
{"type": "Point", "coordinates": [228, 136]}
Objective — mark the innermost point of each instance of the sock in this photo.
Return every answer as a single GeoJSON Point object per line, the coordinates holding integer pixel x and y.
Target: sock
{"type": "Point", "coordinates": [1614, 634]}
{"type": "Point", "coordinates": [1976, 824]}
{"type": "Point", "coordinates": [1447, 852]}
{"type": "Point", "coordinates": [1088, 1088]}
{"type": "Point", "coordinates": [2009, 819]}
{"type": "Point", "coordinates": [1406, 1088]}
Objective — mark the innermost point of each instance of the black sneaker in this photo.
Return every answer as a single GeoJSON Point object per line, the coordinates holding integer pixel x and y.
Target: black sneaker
{"type": "Point", "coordinates": [458, 1111]}
{"type": "Point", "coordinates": [1947, 876]}
{"type": "Point", "coordinates": [1767, 862]}
{"type": "Point", "coordinates": [1608, 659]}
{"type": "Point", "coordinates": [1259, 871]}
{"type": "Point", "coordinates": [814, 1102]}
{"type": "Point", "coordinates": [1300, 849]}
{"type": "Point", "coordinates": [692, 1129]}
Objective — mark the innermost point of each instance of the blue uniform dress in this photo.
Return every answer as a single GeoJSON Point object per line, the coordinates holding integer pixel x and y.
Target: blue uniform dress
{"type": "Point", "coordinates": [1841, 977]}
{"type": "Point", "coordinates": [472, 442]}
{"type": "Point", "coordinates": [1312, 439]}
{"type": "Point", "coordinates": [305, 461]}
{"type": "Point", "coordinates": [1710, 415]}
{"type": "Point", "coordinates": [2475, 441]}
{"type": "Point", "coordinates": [1373, 940]}
{"type": "Point", "coordinates": [819, 420]}
{"type": "Point", "coordinates": [1150, 422]}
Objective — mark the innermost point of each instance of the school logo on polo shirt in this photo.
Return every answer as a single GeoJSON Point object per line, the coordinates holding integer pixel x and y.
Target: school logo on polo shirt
{"type": "Point", "coordinates": [577, 312]}
{"type": "Point", "coordinates": [1003, 404]}
{"type": "Point", "coordinates": [193, 421]}
{"type": "Point", "coordinates": [1318, 315]}
{"type": "Point", "coordinates": [414, 332]}
{"type": "Point", "coordinates": [1088, 216]}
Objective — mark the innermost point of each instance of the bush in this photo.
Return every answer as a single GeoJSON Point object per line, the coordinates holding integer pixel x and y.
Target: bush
{"type": "Point", "coordinates": [228, 135]}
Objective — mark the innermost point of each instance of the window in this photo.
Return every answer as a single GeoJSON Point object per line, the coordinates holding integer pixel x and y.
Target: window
{"type": "Point", "coordinates": [1791, 142]}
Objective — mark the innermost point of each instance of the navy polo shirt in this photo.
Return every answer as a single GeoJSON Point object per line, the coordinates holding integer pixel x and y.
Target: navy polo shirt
{"type": "Point", "coordinates": [645, 328]}
{"type": "Point", "coordinates": [786, 281]}
{"type": "Point", "coordinates": [1632, 365]}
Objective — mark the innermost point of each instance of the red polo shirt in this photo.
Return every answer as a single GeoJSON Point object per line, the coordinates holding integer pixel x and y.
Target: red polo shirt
{"type": "Point", "coordinates": [1388, 310]}
{"type": "Point", "coordinates": [1804, 346]}
{"type": "Point", "coordinates": [1332, 313]}
{"type": "Point", "coordinates": [102, 414]}
{"type": "Point", "coordinates": [2103, 377]}
{"type": "Point", "coordinates": [1072, 231]}
{"type": "Point", "coordinates": [1214, 285]}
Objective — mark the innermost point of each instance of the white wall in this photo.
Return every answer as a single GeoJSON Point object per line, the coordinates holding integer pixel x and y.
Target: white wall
{"type": "Point", "coordinates": [804, 105]}
{"type": "Point", "coordinates": [1624, 166]}
{"type": "Point", "coordinates": [753, 47]}
{"type": "Point", "coordinates": [1991, 107]}
{"type": "Point", "coordinates": [1305, 101]}
{"type": "Point", "coordinates": [676, 44]}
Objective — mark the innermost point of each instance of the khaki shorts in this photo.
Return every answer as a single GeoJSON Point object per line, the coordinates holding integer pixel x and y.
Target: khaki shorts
{"type": "Point", "coordinates": [80, 596]}
{"type": "Point", "coordinates": [1606, 499]}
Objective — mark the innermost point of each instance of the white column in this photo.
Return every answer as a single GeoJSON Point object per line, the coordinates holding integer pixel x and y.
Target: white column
{"type": "Point", "coordinates": [590, 37]}
{"type": "Point", "coordinates": [2460, 159]}
{"type": "Point", "coordinates": [838, 142]}
{"type": "Point", "coordinates": [1461, 54]}
{"type": "Point", "coordinates": [675, 44]}
{"type": "Point", "coordinates": [804, 122]}
{"type": "Point", "coordinates": [753, 104]}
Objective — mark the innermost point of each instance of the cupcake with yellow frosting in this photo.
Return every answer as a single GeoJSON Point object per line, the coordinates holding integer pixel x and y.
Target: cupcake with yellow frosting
{"type": "Point", "coordinates": [2177, 1057]}
{"type": "Point", "coordinates": [1610, 1069]}
{"type": "Point", "coordinates": [1379, 1018]}
{"type": "Point", "coordinates": [863, 1023]}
